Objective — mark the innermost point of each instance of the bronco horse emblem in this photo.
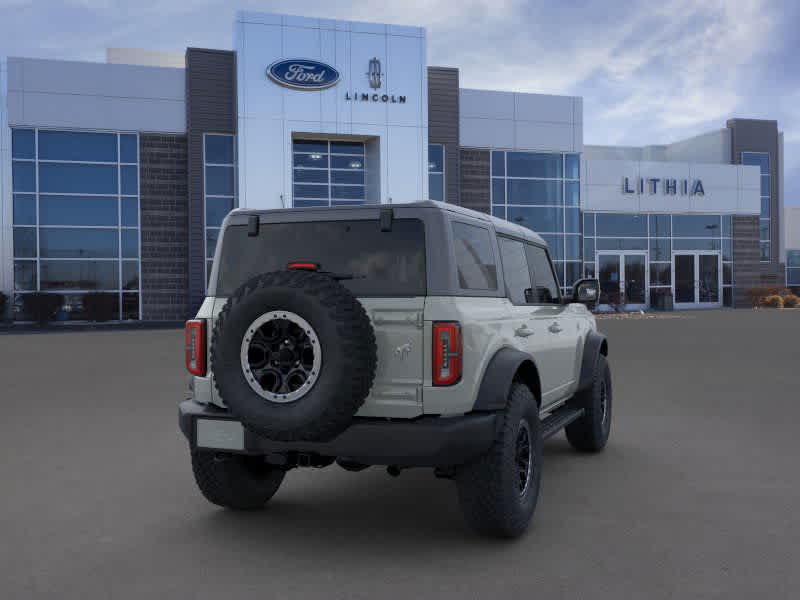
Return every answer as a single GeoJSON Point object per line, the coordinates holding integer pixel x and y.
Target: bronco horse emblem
{"type": "Point", "coordinates": [403, 351]}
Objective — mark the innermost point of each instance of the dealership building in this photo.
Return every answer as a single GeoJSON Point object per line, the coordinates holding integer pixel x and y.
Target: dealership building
{"type": "Point", "coordinates": [115, 176]}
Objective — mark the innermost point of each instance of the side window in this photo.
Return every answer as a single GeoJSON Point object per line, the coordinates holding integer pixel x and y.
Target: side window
{"type": "Point", "coordinates": [477, 269]}
{"type": "Point", "coordinates": [545, 286]}
{"type": "Point", "coordinates": [515, 270]}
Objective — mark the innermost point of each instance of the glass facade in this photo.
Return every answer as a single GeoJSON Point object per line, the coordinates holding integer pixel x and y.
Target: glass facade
{"type": "Point", "coordinates": [327, 173]}
{"type": "Point", "coordinates": [436, 172]}
{"type": "Point", "coordinates": [542, 191]}
{"type": "Point", "coordinates": [793, 268]}
{"type": "Point", "coordinates": [219, 167]}
{"type": "Point", "coordinates": [76, 219]}
{"type": "Point", "coordinates": [761, 160]}
{"type": "Point", "coordinates": [659, 236]}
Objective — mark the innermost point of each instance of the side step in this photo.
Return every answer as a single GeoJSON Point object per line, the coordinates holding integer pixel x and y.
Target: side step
{"type": "Point", "coordinates": [558, 419]}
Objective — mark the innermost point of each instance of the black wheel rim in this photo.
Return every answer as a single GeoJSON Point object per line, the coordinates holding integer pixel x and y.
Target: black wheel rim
{"type": "Point", "coordinates": [524, 457]}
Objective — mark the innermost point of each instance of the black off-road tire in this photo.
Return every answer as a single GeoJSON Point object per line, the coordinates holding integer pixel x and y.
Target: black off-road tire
{"type": "Point", "coordinates": [590, 432]}
{"type": "Point", "coordinates": [235, 481]}
{"type": "Point", "coordinates": [349, 355]}
{"type": "Point", "coordinates": [489, 488]}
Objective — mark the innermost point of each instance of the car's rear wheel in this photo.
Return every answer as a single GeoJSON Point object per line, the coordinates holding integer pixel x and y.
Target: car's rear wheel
{"type": "Point", "coordinates": [498, 492]}
{"type": "Point", "coordinates": [235, 481]}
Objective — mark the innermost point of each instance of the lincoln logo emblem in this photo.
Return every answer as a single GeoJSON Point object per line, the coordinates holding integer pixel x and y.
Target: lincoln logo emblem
{"type": "Point", "coordinates": [374, 74]}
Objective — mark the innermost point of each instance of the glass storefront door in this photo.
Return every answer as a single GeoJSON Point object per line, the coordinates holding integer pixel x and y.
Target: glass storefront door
{"type": "Point", "coordinates": [697, 279]}
{"type": "Point", "coordinates": [623, 279]}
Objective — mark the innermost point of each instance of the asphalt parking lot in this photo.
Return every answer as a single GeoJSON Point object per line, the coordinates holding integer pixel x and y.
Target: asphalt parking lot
{"type": "Point", "coordinates": [696, 496]}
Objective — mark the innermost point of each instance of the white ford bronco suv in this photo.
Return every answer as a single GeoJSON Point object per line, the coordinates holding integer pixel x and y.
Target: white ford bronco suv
{"type": "Point", "coordinates": [411, 335]}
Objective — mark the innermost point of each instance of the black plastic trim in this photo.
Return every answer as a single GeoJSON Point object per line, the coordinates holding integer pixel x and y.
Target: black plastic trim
{"type": "Point", "coordinates": [428, 441]}
{"type": "Point", "coordinates": [497, 379]}
{"type": "Point", "coordinates": [591, 350]}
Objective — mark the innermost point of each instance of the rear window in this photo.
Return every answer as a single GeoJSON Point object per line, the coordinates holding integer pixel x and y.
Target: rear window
{"type": "Point", "coordinates": [381, 263]}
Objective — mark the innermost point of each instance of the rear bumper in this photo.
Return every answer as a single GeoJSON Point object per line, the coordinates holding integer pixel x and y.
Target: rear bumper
{"type": "Point", "coordinates": [426, 441]}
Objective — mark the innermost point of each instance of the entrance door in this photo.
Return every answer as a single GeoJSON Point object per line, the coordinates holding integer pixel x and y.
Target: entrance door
{"type": "Point", "coordinates": [623, 279]}
{"type": "Point", "coordinates": [697, 279]}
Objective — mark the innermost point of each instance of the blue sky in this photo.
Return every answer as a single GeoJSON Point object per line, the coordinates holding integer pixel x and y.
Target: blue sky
{"type": "Point", "coordinates": [649, 72]}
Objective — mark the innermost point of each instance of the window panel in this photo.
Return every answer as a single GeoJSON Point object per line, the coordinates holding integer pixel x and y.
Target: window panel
{"type": "Point", "coordinates": [435, 186]}
{"type": "Point", "coordinates": [588, 270]}
{"type": "Point", "coordinates": [545, 285]}
{"type": "Point", "coordinates": [526, 191]}
{"type": "Point", "coordinates": [572, 273]}
{"type": "Point", "coordinates": [573, 166]}
{"type": "Point", "coordinates": [311, 175]}
{"type": "Point", "coordinates": [499, 212]}
{"type": "Point", "coordinates": [56, 242]}
{"type": "Point", "coordinates": [572, 220]}
{"type": "Point", "coordinates": [130, 212]}
{"type": "Point", "coordinates": [765, 208]}
{"type": "Point", "coordinates": [435, 158]}
{"type": "Point", "coordinates": [347, 192]}
{"type": "Point", "coordinates": [130, 274]}
{"type": "Point", "coordinates": [216, 210]}
{"type": "Point", "coordinates": [129, 183]}
{"type": "Point", "coordinates": [498, 191]}
{"type": "Point", "coordinates": [793, 277]}
{"type": "Point", "coordinates": [660, 226]}
{"type": "Point", "coordinates": [622, 225]}
{"type": "Point", "coordinates": [588, 249]}
{"type": "Point", "coordinates": [759, 159]}
{"type": "Point", "coordinates": [211, 242]}
{"type": "Point", "coordinates": [77, 179]}
{"type": "Point", "coordinates": [530, 164]}
{"type": "Point", "coordinates": [498, 163]}
{"type": "Point", "coordinates": [588, 224]}
{"type": "Point", "coordinates": [660, 249]}
{"type": "Point", "coordinates": [130, 307]}
{"type": "Point", "coordinates": [766, 251]}
{"type": "Point", "coordinates": [547, 219]}
{"type": "Point", "coordinates": [727, 226]}
{"type": "Point", "coordinates": [621, 243]}
{"type": "Point", "coordinates": [347, 148]}
{"type": "Point", "coordinates": [555, 244]}
{"type": "Point", "coordinates": [23, 143]}
{"type": "Point", "coordinates": [310, 146]}
{"type": "Point", "coordinates": [515, 270]}
{"type": "Point", "coordinates": [727, 273]}
{"type": "Point", "coordinates": [219, 149]}
{"type": "Point", "coordinates": [23, 176]}
{"type": "Point", "coordinates": [24, 209]}
{"type": "Point", "coordinates": [305, 203]}
{"type": "Point", "coordinates": [314, 161]}
{"type": "Point", "coordinates": [763, 229]}
{"type": "Point", "coordinates": [475, 260]}
{"type": "Point", "coordinates": [660, 274]}
{"type": "Point", "coordinates": [695, 244]}
{"type": "Point", "coordinates": [765, 185]}
{"type": "Point", "coordinates": [130, 243]}
{"type": "Point", "coordinates": [793, 258]}
{"type": "Point", "coordinates": [79, 275]}
{"type": "Point", "coordinates": [77, 210]}
{"type": "Point", "coordinates": [572, 247]}
{"type": "Point", "coordinates": [696, 225]}
{"type": "Point", "coordinates": [128, 148]}
{"type": "Point", "coordinates": [572, 191]}
{"type": "Point", "coordinates": [78, 146]}
{"type": "Point", "coordinates": [24, 242]}
{"type": "Point", "coordinates": [219, 181]}
{"type": "Point", "coordinates": [25, 275]}
{"type": "Point", "coordinates": [357, 177]}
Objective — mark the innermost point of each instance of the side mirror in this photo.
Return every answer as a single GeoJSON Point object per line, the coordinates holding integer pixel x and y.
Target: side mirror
{"type": "Point", "coordinates": [586, 291]}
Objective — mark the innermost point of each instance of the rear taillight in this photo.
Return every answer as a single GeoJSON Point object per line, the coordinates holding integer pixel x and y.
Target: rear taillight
{"type": "Point", "coordinates": [196, 347]}
{"type": "Point", "coordinates": [447, 358]}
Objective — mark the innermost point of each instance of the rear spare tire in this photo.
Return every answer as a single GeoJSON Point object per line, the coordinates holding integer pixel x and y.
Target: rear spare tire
{"type": "Point", "coordinates": [293, 355]}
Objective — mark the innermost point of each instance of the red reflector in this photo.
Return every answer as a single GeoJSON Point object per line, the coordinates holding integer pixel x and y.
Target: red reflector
{"type": "Point", "coordinates": [196, 347]}
{"type": "Point", "coordinates": [447, 353]}
{"type": "Point", "coordinates": [303, 266]}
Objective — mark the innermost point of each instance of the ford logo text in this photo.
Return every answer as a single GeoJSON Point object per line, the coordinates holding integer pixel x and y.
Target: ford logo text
{"type": "Point", "coordinates": [302, 74]}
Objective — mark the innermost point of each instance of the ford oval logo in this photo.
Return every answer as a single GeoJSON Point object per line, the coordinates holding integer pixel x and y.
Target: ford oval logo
{"type": "Point", "coordinates": [303, 74]}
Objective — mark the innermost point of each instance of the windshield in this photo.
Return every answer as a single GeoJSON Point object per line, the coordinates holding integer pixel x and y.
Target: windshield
{"type": "Point", "coordinates": [373, 262]}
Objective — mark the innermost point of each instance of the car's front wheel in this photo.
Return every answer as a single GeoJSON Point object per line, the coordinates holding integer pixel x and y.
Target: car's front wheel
{"type": "Point", "coordinates": [498, 492]}
{"type": "Point", "coordinates": [235, 481]}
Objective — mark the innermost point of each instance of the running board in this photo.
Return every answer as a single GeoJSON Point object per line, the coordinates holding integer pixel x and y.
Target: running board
{"type": "Point", "coordinates": [558, 419]}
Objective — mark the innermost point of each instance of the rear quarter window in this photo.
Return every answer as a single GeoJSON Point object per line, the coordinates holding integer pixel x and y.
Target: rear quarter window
{"type": "Point", "coordinates": [477, 267]}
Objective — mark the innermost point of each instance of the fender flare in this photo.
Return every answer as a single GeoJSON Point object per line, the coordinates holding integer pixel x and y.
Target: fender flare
{"type": "Point", "coordinates": [595, 345]}
{"type": "Point", "coordinates": [498, 376]}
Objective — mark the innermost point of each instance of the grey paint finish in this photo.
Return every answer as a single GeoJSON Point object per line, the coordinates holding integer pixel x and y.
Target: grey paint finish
{"type": "Point", "coordinates": [88, 95]}
{"type": "Point", "coordinates": [164, 227]}
{"type": "Point", "coordinates": [210, 108]}
{"type": "Point", "coordinates": [754, 135]}
{"type": "Point", "coordinates": [443, 124]}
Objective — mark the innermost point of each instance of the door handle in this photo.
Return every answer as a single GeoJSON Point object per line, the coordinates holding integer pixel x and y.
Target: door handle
{"type": "Point", "coordinates": [555, 328]}
{"type": "Point", "coordinates": [523, 331]}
